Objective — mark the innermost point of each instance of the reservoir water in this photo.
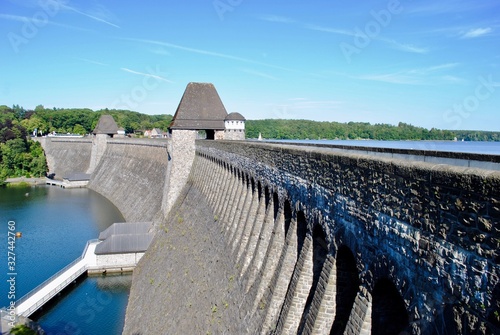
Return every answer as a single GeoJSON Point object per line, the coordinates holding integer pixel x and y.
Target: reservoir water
{"type": "Point", "coordinates": [476, 147]}
{"type": "Point", "coordinates": [55, 224]}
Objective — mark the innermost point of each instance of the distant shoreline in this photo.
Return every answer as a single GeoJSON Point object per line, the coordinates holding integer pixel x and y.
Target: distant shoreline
{"type": "Point", "coordinates": [30, 181]}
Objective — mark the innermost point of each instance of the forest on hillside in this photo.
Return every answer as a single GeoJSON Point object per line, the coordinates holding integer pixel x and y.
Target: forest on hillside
{"type": "Point", "coordinates": [83, 120]}
{"type": "Point", "coordinates": [20, 156]}
{"type": "Point", "coordinates": [306, 129]}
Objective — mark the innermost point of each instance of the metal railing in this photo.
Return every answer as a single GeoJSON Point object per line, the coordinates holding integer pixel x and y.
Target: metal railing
{"type": "Point", "coordinates": [53, 292]}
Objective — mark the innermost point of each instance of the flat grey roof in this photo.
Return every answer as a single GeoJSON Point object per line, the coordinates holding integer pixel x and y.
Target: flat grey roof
{"type": "Point", "coordinates": [125, 228]}
{"type": "Point", "coordinates": [122, 244]}
{"type": "Point", "coordinates": [125, 237]}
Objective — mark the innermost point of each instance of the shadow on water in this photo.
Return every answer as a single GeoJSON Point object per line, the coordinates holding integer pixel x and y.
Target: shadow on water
{"type": "Point", "coordinates": [92, 305]}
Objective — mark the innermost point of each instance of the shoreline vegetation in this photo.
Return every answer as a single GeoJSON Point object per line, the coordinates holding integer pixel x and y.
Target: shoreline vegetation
{"type": "Point", "coordinates": [314, 130]}
{"type": "Point", "coordinates": [24, 182]}
{"type": "Point", "coordinates": [22, 157]}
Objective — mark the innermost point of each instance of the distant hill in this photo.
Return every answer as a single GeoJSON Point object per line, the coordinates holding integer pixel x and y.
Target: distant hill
{"type": "Point", "coordinates": [83, 121]}
{"type": "Point", "coordinates": [306, 129]}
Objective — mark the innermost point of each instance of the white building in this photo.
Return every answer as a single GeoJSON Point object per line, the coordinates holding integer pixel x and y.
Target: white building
{"type": "Point", "coordinates": [234, 125]}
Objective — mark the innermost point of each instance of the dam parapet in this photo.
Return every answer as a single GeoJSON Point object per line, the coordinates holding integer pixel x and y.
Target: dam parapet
{"type": "Point", "coordinates": [430, 229]}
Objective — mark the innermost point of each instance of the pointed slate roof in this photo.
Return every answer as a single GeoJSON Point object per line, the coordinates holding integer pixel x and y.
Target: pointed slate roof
{"type": "Point", "coordinates": [106, 125]}
{"type": "Point", "coordinates": [200, 108]}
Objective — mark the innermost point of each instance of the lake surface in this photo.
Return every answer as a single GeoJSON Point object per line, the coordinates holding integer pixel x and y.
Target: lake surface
{"type": "Point", "coordinates": [56, 224]}
{"type": "Point", "coordinates": [478, 147]}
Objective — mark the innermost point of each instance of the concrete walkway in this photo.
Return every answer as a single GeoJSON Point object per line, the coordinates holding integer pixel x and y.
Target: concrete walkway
{"type": "Point", "coordinates": [52, 286]}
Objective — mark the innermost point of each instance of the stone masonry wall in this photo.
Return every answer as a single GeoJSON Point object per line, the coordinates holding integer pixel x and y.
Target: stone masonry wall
{"type": "Point", "coordinates": [99, 142]}
{"type": "Point", "coordinates": [185, 283]}
{"type": "Point", "coordinates": [432, 230]}
{"type": "Point", "coordinates": [66, 156]}
{"type": "Point", "coordinates": [182, 154]}
{"type": "Point", "coordinates": [132, 175]}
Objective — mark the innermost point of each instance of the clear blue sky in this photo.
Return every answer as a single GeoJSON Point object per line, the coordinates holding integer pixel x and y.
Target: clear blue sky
{"type": "Point", "coordinates": [428, 63]}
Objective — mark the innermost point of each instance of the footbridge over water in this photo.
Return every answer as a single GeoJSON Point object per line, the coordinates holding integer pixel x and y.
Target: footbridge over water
{"type": "Point", "coordinates": [118, 249]}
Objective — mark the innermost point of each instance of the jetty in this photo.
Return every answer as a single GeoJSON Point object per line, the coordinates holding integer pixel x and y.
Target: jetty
{"type": "Point", "coordinates": [118, 249]}
{"type": "Point", "coordinates": [32, 301]}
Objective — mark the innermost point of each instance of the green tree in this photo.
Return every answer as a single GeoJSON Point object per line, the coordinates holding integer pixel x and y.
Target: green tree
{"type": "Point", "coordinates": [79, 129]}
{"type": "Point", "coordinates": [22, 330]}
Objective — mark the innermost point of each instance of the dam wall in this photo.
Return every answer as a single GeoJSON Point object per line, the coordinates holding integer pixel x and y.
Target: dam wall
{"type": "Point", "coordinates": [329, 242]}
{"type": "Point", "coordinates": [132, 175]}
{"type": "Point", "coordinates": [66, 155]}
{"type": "Point", "coordinates": [282, 239]}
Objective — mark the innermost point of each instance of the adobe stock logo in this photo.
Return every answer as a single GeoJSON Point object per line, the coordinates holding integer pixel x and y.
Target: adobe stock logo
{"type": "Point", "coordinates": [30, 28]}
{"type": "Point", "coordinates": [363, 37]}
{"type": "Point", "coordinates": [223, 6]}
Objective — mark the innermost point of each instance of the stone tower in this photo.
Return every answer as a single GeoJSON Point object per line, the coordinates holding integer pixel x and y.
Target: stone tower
{"type": "Point", "coordinates": [106, 128]}
{"type": "Point", "coordinates": [234, 127]}
{"type": "Point", "coordinates": [200, 109]}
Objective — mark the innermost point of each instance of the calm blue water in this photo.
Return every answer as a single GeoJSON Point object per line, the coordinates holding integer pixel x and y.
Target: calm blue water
{"type": "Point", "coordinates": [478, 147]}
{"type": "Point", "coordinates": [95, 306]}
{"type": "Point", "coordinates": [56, 223]}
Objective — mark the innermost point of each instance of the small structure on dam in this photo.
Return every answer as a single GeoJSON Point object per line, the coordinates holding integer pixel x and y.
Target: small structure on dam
{"type": "Point", "coordinates": [122, 243]}
{"type": "Point", "coordinates": [200, 109]}
{"type": "Point", "coordinates": [106, 128]}
{"type": "Point", "coordinates": [234, 124]}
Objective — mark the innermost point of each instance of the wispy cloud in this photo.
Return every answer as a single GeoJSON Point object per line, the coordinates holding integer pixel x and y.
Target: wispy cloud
{"type": "Point", "coordinates": [447, 7]}
{"type": "Point", "coordinates": [435, 68]}
{"type": "Point", "coordinates": [431, 75]}
{"type": "Point", "coordinates": [329, 30]}
{"type": "Point", "coordinates": [213, 54]}
{"type": "Point", "coordinates": [37, 22]}
{"type": "Point", "coordinates": [99, 16]}
{"type": "Point", "coordinates": [276, 18]}
{"type": "Point", "coordinates": [259, 74]}
{"type": "Point", "coordinates": [146, 74]}
{"type": "Point", "coordinates": [390, 42]}
{"type": "Point", "coordinates": [90, 61]}
{"type": "Point", "coordinates": [453, 79]}
{"type": "Point", "coordinates": [405, 47]}
{"type": "Point", "coordinates": [161, 51]}
{"type": "Point", "coordinates": [477, 32]}
{"type": "Point", "coordinates": [393, 78]}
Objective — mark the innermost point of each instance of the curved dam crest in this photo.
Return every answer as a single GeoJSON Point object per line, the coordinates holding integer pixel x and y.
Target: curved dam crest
{"type": "Point", "coordinates": [269, 239]}
{"type": "Point", "coordinates": [132, 174]}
